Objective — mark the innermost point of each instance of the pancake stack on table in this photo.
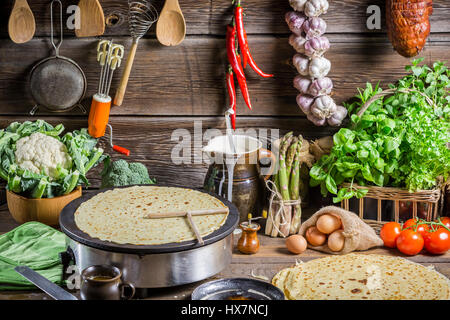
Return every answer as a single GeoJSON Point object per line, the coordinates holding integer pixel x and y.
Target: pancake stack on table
{"type": "Point", "coordinates": [362, 276]}
{"type": "Point", "coordinates": [119, 215]}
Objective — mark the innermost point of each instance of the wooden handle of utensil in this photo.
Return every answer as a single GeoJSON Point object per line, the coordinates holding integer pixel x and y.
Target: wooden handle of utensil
{"type": "Point", "coordinates": [264, 153]}
{"type": "Point", "coordinates": [184, 213]}
{"type": "Point", "coordinates": [120, 93]}
{"type": "Point", "coordinates": [98, 116]}
{"type": "Point", "coordinates": [194, 227]}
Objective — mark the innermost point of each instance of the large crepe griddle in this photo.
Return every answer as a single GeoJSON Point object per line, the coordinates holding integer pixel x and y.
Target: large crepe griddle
{"type": "Point", "coordinates": [69, 227]}
{"type": "Point", "coordinates": [151, 266]}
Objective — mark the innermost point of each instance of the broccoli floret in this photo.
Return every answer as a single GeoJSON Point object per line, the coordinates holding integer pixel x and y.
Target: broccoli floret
{"type": "Point", "coordinates": [122, 173]}
{"type": "Point", "coordinates": [141, 170]}
{"type": "Point", "coordinates": [119, 166]}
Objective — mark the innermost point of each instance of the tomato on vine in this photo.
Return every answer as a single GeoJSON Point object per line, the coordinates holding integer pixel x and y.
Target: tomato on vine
{"type": "Point", "coordinates": [410, 242]}
{"type": "Point", "coordinates": [437, 242]}
{"type": "Point", "coordinates": [445, 221]}
{"type": "Point", "coordinates": [417, 225]}
{"type": "Point", "coordinates": [389, 233]}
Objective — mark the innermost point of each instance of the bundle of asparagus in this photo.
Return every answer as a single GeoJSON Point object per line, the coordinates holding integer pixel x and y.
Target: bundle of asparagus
{"type": "Point", "coordinates": [285, 211]}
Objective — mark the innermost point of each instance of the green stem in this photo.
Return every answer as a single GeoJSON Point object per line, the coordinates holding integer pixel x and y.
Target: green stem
{"type": "Point", "coordinates": [73, 182]}
{"type": "Point", "coordinates": [3, 174]}
{"type": "Point", "coordinates": [39, 190]}
{"type": "Point", "coordinates": [93, 160]}
{"type": "Point", "coordinates": [283, 178]}
{"type": "Point", "coordinates": [14, 184]}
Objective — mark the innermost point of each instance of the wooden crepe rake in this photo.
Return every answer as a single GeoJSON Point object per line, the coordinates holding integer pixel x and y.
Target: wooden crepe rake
{"type": "Point", "coordinates": [189, 215]}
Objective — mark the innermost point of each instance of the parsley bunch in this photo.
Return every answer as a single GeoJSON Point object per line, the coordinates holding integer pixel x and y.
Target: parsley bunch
{"type": "Point", "coordinates": [399, 141]}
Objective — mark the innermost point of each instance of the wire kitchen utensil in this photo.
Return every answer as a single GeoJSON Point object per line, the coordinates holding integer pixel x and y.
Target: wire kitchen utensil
{"type": "Point", "coordinates": [57, 83]}
{"type": "Point", "coordinates": [141, 16]}
{"type": "Point", "coordinates": [109, 56]}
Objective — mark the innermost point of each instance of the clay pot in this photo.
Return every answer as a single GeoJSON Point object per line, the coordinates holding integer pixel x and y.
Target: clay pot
{"type": "Point", "coordinates": [103, 282]}
{"type": "Point", "coordinates": [248, 243]}
{"type": "Point", "coordinates": [44, 210]}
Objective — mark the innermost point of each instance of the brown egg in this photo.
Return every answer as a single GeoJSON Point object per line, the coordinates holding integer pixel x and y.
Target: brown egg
{"type": "Point", "coordinates": [315, 237]}
{"type": "Point", "coordinates": [328, 223]}
{"type": "Point", "coordinates": [296, 244]}
{"type": "Point", "coordinates": [336, 241]}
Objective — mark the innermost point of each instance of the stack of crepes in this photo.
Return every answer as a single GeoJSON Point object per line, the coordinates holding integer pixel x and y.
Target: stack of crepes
{"type": "Point", "coordinates": [362, 276]}
{"type": "Point", "coordinates": [35, 245]}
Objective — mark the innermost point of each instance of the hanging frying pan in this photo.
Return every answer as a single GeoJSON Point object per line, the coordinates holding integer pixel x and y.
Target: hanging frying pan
{"type": "Point", "coordinates": [57, 83]}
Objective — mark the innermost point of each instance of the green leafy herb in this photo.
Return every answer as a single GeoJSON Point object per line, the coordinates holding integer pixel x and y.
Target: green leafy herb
{"type": "Point", "coordinates": [400, 140]}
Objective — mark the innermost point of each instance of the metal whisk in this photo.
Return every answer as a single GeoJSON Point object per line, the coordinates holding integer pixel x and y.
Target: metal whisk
{"type": "Point", "coordinates": [109, 55]}
{"type": "Point", "coordinates": [141, 16]}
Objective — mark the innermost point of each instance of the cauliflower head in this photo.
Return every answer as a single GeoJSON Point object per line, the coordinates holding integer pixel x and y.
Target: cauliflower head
{"type": "Point", "coordinates": [40, 153]}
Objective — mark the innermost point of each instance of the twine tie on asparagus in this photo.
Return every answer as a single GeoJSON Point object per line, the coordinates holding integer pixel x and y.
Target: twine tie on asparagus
{"type": "Point", "coordinates": [272, 187]}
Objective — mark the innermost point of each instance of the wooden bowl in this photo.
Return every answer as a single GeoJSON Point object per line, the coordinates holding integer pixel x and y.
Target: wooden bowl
{"type": "Point", "coordinates": [43, 210]}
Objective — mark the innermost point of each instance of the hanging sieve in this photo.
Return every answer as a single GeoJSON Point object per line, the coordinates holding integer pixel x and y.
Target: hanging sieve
{"type": "Point", "coordinates": [57, 83]}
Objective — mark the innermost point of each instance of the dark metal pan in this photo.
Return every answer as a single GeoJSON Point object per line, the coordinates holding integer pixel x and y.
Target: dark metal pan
{"type": "Point", "coordinates": [237, 289]}
{"type": "Point", "coordinates": [57, 83]}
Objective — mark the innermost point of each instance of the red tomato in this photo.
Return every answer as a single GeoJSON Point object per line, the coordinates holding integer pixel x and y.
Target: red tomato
{"type": "Point", "coordinates": [421, 228]}
{"type": "Point", "coordinates": [437, 242]}
{"type": "Point", "coordinates": [445, 221]}
{"type": "Point", "coordinates": [389, 233]}
{"type": "Point", "coordinates": [410, 242]}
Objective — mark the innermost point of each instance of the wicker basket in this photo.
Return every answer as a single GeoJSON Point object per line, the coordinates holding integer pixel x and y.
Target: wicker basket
{"type": "Point", "coordinates": [430, 197]}
{"type": "Point", "coordinates": [397, 195]}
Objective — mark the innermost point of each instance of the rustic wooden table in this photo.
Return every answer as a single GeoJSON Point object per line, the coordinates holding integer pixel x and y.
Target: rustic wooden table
{"type": "Point", "coordinates": [271, 258]}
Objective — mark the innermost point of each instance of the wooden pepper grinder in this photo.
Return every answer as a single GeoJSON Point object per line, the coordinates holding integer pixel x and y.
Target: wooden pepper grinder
{"type": "Point", "coordinates": [248, 243]}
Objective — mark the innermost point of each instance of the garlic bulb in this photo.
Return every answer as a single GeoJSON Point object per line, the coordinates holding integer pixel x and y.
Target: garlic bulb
{"type": "Point", "coordinates": [323, 107]}
{"type": "Point", "coordinates": [338, 116]}
{"type": "Point", "coordinates": [315, 120]}
{"type": "Point", "coordinates": [319, 67]}
{"type": "Point", "coordinates": [295, 21]}
{"type": "Point", "coordinates": [314, 8]}
{"type": "Point", "coordinates": [312, 82]}
{"type": "Point", "coordinates": [302, 84]}
{"type": "Point", "coordinates": [298, 5]}
{"type": "Point", "coordinates": [301, 63]}
{"type": "Point", "coordinates": [305, 102]}
{"type": "Point", "coordinates": [320, 87]}
{"type": "Point", "coordinates": [316, 47]}
{"type": "Point", "coordinates": [314, 27]}
{"type": "Point", "coordinates": [298, 42]}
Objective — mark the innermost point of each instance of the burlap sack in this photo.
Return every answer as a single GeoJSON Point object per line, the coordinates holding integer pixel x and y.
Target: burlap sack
{"type": "Point", "coordinates": [358, 235]}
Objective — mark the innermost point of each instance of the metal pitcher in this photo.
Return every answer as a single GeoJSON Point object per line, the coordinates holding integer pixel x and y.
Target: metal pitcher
{"type": "Point", "coordinates": [247, 188]}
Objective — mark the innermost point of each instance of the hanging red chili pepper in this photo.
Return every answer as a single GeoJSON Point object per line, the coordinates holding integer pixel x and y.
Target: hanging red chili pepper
{"type": "Point", "coordinates": [244, 90]}
{"type": "Point", "coordinates": [235, 65]}
{"type": "Point", "coordinates": [243, 42]}
{"type": "Point", "coordinates": [231, 52]}
{"type": "Point", "coordinates": [232, 95]}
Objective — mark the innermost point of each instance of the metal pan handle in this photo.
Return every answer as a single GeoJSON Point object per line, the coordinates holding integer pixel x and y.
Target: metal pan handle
{"type": "Point", "coordinates": [61, 26]}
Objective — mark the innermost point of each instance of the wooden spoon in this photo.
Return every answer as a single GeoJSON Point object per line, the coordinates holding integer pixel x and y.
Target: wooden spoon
{"type": "Point", "coordinates": [171, 27]}
{"type": "Point", "coordinates": [92, 19]}
{"type": "Point", "coordinates": [21, 24]}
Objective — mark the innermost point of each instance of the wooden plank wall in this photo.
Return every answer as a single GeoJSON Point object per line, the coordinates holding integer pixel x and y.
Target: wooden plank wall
{"type": "Point", "coordinates": [171, 87]}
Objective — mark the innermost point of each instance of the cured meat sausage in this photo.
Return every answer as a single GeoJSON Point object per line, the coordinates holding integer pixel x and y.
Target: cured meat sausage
{"type": "Point", "coordinates": [408, 24]}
